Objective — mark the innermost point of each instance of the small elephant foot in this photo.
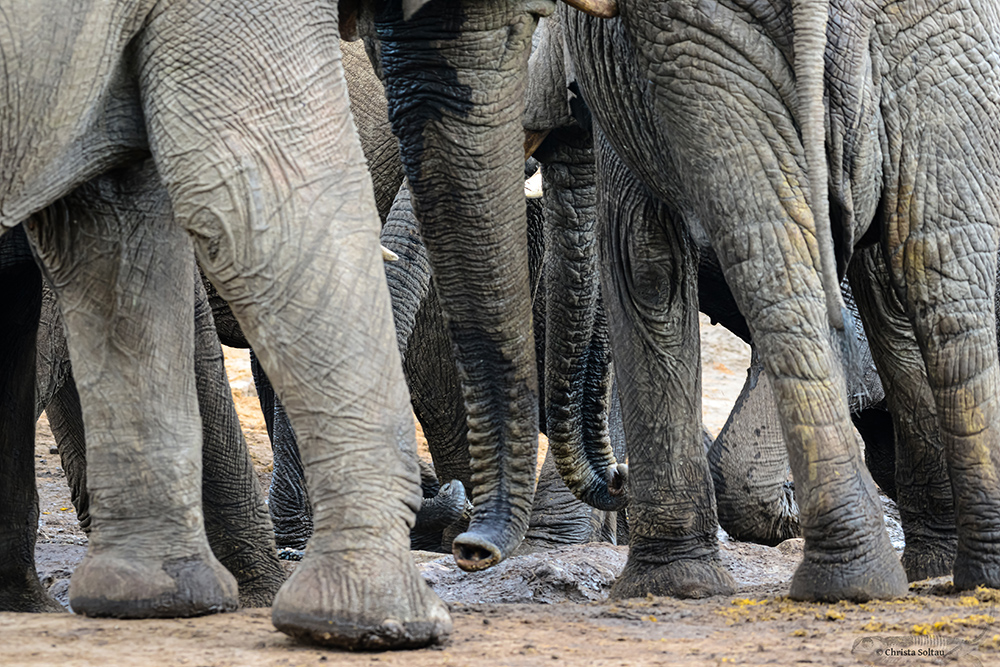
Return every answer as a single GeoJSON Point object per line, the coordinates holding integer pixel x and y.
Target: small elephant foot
{"type": "Point", "coordinates": [25, 594]}
{"type": "Point", "coordinates": [873, 573]}
{"type": "Point", "coordinates": [436, 514]}
{"type": "Point", "coordinates": [119, 586]}
{"type": "Point", "coordinates": [261, 589]}
{"type": "Point", "coordinates": [360, 602]}
{"type": "Point", "coordinates": [926, 559]}
{"type": "Point", "coordinates": [682, 578]}
{"type": "Point", "coordinates": [977, 569]}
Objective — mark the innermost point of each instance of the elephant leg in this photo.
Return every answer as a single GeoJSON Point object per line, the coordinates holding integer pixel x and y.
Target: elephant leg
{"type": "Point", "coordinates": [123, 273]}
{"type": "Point", "coordinates": [428, 359]}
{"type": "Point", "coordinates": [923, 485]}
{"type": "Point", "coordinates": [288, 499]}
{"type": "Point", "coordinates": [271, 183]}
{"type": "Point", "coordinates": [940, 211]}
{"type": "Point", "coordinates": [66, 421]}
{"type": "Point", "coordinates": [236, 519]}
{"type": "Point", "coordinates": [750, 467]}
{"type": "Point", "coordinates": [20, 305]}
{"type": "Point", "coordinates": [740, 164]}
{"type": "Point", "coordinates": [649, 283]}
{"type": "Point", "coordinates": [557, 517]}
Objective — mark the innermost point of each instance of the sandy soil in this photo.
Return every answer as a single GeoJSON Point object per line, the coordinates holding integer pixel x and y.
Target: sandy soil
{"type": "Point", "coordinates": [546, 608]}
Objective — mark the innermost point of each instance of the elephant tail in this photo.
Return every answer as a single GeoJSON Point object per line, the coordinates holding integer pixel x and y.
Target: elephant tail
{"type": "Point", "coordinates": [809, 18]}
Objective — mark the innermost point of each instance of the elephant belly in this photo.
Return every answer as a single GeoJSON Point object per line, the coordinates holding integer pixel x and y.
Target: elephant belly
{"type": "Point", "coordinates": [69, 106]}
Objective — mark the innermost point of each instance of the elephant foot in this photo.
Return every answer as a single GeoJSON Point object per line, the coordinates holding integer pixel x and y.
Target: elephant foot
{"type": "Point", "coordinates": [121, 586]}
{"type": "Point", "coordinates": [682, 578]}
{"type": "Point", "coordinates": [259, 590]}
{"type": "Point", "coordinates": [977, 569]}
{"type": "Point", "coordinates": [359, 601]}
{"type": "Point", "coordinates": [871, 573]}
{"type": "Point", "coordinates": [24, 593]}
{"type": "Point", "coordinates": [926, 559]}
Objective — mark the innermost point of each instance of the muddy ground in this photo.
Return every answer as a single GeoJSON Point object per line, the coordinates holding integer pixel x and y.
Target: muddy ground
{"type": "Point", "coordinates": [540, 609]}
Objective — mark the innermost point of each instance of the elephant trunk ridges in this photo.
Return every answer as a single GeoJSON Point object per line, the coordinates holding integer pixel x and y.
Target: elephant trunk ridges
{"type": "Point", "coordinates": [461, 144]}
{"type": "Point", "coordinates": [809, 18]}
{"type": "Point", "coordinates": [576, 364]}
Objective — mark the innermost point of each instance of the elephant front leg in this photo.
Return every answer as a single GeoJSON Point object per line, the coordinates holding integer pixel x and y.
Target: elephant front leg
{"type": "Point", "coordinates": [123, 272]}
{"type": "Point", "coordinates": [271, 183]}
{"type": "Point", "coordinates": [20, 304]}
{"type": "Point", "coordinates": [650, 288]}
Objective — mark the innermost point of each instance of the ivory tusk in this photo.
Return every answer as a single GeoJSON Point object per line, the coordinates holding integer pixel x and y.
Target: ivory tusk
{"type": "Point", "coordinates": [388, 255]}
{"type": "Point", "coordinates": [533, 186]}
{"type": "Point", "coordinates": [532, 140]}
{"type": "Point", "coordinates": [603, 9]}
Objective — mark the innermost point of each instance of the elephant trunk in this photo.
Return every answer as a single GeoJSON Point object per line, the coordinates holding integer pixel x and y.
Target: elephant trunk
{"type": "Point", "coordinates": [461, 141]}
{"type": "Point", "coordinates": [809, 18]}
{"type": "Point", "coordinates": [577, 376]}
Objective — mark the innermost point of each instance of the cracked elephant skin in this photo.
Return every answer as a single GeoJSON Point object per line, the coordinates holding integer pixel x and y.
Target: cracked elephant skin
{"type": "Point", "coordinates": [699, 120]}
{"type": "Point", "coordinates": [236, 519]}
{"type": "Point", "coordinates": [258, 156]}
{"type": "Point", "coordinates": [427, 357]}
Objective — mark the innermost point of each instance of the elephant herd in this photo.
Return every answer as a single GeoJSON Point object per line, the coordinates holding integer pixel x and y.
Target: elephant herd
{"type": "Point", "coordinates": [176, 172]}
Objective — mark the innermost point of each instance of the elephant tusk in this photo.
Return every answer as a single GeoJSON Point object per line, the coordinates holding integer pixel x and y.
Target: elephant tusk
{"type": "Point", "coordinates": [532, 140]}
{"type": "Point", "coordinates": [388, 255]}
{"type": "Point", "coordinates": [533, 186]}
{"type": "Point", "coordinates": [602, 9]}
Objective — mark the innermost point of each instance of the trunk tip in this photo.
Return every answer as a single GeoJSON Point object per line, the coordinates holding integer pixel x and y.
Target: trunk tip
{"type": "Point", "coordinates": [474, 553]}
{"type": "Point", "coordinates": [617, 479]}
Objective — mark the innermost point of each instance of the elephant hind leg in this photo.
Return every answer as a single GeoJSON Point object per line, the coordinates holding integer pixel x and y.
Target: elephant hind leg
{"type": "Point", "coordinates": [922, 483]}
{"type": "Point", "coordinates": [650, 291]}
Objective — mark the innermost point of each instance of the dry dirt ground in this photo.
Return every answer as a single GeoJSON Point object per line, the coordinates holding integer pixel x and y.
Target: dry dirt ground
{"type": "Point", "coordinates": [546, 608]}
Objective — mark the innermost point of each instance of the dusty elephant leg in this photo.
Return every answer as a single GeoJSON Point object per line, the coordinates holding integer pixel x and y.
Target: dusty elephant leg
{"type": "Point", "coordinates": [649, 282]}
{"type": "Point", "coordinates": [285, 224]}
{"type": "Point", "coordinates": [750, 467]}
{"type": "Point", "coordinates": [147, 555]}
{"type": "Point", "coordinates": [557, 517]}
{"type": "Point", "coordinates": [288, 499]}
{"type": "Point", "coordinates": [923, 486]}
{"type": "Point", "coordinates": [66, 421]}
{"type": "Point", "coordinates": [236, 519]}
{"type": "Point", "coordinates": [20, 304]}
{"type": "Point", "coordinates": [738, 156]}
{"type": "Point", "coordinates": [428, 359]}
{"type": "Point", "coordinates": [940, 244]}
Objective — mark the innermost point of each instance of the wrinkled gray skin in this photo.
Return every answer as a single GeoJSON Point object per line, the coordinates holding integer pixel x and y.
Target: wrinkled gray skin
{"type": "Point", "coordinates": [428, 363]}
{"type": "Point", "coordinates": [749, 461]}
{"type": "Point", "coordinates": [238, 528]}
{"type": "Point", "coordinates": [688, 160]}
{"type": "Point", "coordinates": [262, 166]}
{"type": "Point", "coordinates": [454, 104]}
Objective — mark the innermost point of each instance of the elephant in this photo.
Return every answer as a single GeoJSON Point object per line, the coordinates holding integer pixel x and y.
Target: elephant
{"type": "Point", "coordinates": [706, 131]}
{"type": "Point", "coordinates": [434, 385]}
{"type": "Point", "coordinates": [257, 153]}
